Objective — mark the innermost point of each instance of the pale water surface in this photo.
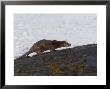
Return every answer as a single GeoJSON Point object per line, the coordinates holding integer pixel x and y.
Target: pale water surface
{"type": "Point", "coordinates": [77, 29]}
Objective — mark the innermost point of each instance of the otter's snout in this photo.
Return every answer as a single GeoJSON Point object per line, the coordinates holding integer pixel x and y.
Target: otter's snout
{"type": "Point", "coordinates": [67, 44]}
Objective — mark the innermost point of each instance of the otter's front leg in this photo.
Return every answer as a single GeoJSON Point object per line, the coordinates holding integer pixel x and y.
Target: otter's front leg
{"type": "Point", "coordinates": [27, 53]}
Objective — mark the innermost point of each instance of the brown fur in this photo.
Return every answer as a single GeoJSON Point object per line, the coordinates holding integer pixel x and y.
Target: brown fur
{"type": "Point", "coordinates": [43, 45]}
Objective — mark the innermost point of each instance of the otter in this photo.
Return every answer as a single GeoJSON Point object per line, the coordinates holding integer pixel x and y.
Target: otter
{"type": "Point", "coordinates": [44, 45]}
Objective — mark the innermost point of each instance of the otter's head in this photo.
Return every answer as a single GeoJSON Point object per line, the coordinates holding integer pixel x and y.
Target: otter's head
{"type": "Point", "coordinates": [65, 44]}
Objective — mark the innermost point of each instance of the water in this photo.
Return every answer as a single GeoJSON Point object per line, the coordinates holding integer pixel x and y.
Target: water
{"type": "Point", "coordinates": [77, 29]}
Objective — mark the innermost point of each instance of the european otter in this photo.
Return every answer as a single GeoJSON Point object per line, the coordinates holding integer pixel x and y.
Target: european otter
{"type": "Point", "coordinates": [44, 45]}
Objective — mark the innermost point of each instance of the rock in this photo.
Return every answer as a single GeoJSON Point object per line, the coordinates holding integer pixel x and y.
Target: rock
{"type": "Point", "coordinates": [77, 61]}
{"type": "Point", "coordinates": [37, 74]}
{"type": "Point", "coordinates": [62, 66]}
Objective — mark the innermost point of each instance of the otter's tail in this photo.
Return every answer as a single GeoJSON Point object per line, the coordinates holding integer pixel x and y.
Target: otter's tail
{"type": "Point", "coordinates": [24, 55]}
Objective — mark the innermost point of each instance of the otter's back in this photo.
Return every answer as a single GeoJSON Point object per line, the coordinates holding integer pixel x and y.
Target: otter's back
{"type": "Point", "coordinates": [44, 42]}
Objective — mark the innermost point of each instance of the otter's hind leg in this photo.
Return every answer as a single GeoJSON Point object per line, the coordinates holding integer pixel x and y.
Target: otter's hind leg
{"type": "Point", "coordinates": [27, 53]}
